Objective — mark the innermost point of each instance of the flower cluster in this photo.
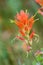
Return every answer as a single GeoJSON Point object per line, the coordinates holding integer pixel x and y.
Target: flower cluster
{"type": "Point", "coordinates": [25, 24]}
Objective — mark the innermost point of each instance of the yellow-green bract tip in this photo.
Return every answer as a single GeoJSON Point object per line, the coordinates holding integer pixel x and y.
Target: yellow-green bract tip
{"type": "Point", "coordinates": [12, 21]}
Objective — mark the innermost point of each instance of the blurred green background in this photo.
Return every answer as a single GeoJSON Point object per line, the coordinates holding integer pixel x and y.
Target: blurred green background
{"type": "Point", "coordinates": [8, 10]}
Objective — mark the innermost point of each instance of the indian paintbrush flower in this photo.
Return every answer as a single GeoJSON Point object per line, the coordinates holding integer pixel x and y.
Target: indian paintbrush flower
{"type": "Point", "coordinates": [40, 10]}
{"type": "Point", "coordinates": [25, 24]}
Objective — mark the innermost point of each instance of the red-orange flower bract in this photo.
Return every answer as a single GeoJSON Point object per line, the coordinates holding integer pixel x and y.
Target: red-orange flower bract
{"type": "Point", "coordinates": [40, 11]}
{"type": "Point", "coordinates": [24, 22]}
{"type": "Point", "coordinates": [32, 34]}
{"type": "Point", "coordinates": [40, 2]}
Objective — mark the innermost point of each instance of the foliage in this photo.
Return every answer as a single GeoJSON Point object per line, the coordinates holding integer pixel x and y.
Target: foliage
{"type": "Point", "coordinates": [13, 50]}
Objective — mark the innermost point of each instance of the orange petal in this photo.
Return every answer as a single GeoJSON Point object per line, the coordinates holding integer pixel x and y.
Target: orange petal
{"type": "Point", "coordinates": [21, 38]}
{"type": "Point", "coordinates": [32, 35]}
{"type": "Point", "coordinates": [26, 28]}
{"type": "Point", "coordinates": [22, 32]}
{"type": "Point", "coordinates": [19, 24]}
{"type": "Point", "coordinates": [31, 22]}
{"type": "Point", "coordinates": [22, 17]}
